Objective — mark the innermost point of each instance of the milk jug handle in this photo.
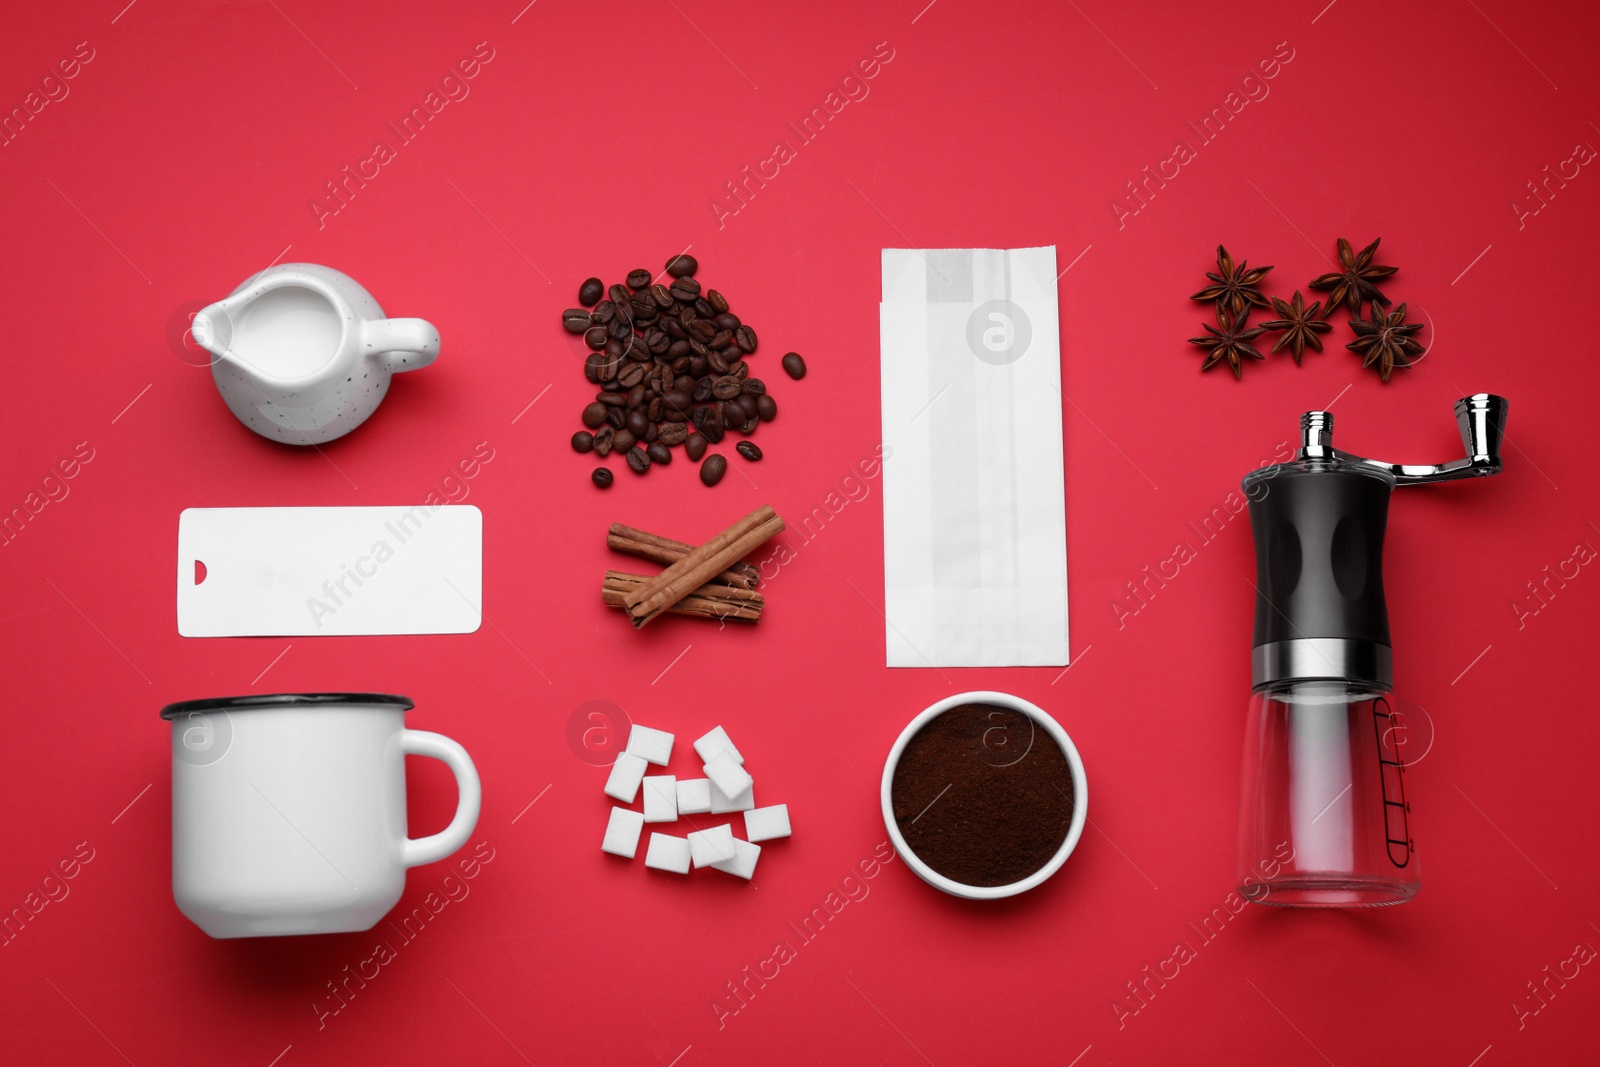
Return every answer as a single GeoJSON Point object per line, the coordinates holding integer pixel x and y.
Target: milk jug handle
{"type": "Point", "coordinates": [405, 344]}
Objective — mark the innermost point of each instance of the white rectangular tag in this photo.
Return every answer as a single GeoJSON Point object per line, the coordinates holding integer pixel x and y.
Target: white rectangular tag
{"type": "Point", "coordinates": [301, 572]}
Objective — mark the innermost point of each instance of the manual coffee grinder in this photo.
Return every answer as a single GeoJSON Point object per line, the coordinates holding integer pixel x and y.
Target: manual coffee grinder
{"type": "Point", "coordinates": [1323, 815]}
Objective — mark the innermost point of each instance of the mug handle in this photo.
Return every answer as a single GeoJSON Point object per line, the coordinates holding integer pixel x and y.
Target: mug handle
{"type": "Point", "coordinates": [419, 850]}
{"type": "Point", "coordinates": [406, 344]}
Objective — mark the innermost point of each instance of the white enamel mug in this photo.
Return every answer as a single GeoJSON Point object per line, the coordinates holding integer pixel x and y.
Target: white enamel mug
{"type": "Point", "coordinates": [289, 811]}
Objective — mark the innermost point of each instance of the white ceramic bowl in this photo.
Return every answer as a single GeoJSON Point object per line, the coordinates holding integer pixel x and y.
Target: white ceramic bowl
{"type": "Point", "coordinates": [1080, 796]}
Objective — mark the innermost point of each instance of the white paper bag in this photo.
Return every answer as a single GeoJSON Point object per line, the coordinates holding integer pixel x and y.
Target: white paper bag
{"type": "Point", "coordinates": [974, 509]}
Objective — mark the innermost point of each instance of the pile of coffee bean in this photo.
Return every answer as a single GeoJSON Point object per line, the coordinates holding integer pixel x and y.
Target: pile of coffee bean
{"type": "Point", "coordinates": [670, 361]}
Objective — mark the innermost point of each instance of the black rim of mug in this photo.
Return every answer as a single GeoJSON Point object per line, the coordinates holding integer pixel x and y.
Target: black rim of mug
{"type": "Point", "coordinates": [281, 700]}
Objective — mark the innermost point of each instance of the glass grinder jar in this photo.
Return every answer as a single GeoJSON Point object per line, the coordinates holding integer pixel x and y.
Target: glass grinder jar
{"type": "Point", "coordinates": [1324, 820]}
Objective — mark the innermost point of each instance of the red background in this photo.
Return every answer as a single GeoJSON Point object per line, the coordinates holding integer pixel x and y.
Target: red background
{"type": "Point", "coordinates": [184, 159]}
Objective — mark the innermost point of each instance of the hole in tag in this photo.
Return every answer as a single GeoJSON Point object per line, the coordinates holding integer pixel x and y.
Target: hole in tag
{"type": "Point", "coordinates": [199, 572]}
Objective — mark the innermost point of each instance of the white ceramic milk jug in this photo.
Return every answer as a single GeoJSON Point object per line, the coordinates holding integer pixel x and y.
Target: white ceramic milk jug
{"type": "Point", "coordinates": [302, 353]}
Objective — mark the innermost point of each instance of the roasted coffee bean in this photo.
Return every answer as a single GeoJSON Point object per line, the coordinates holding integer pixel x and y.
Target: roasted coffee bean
{"type": "Point", "coordinates": [718, 302]}
{"type": "Point", "coordinates": [750, 426]}
{"type": "Point", "coordinates": [713, 428]}
{"type": "Point", "coordinates": [703, 308]}
{"type": "Point", "coordinates": [603, 312]}
{"type": "Point", "coordinates": [638, 350]}
{"type": "Point", "coordinates": [766, 407]}
{"type": "Point", "coordinates": [638, 424]}
{"type": "Point", "coordinates": [662, 296]}
{"type": "Point", "coordinates": [794, 365]}
{"type": "Point", "coordinates": [717, 362]}
{"type": "Point", "coordinates": [749, 450]}
{"type": "Point", "coordinates": [615, 418]}
{"type": "Point", "coordinates": [638, 278]}
{"type": "Point", "coordinates": [754, 386]}
{"type": "Point", "coordinates": [685, 289]}
{"type": "Point", "coordinates": [638, 460]}
{"type": "Point", "coordinates": [592, 366]}
{"type": "Point", "coordinates": [615, 400]}
{"type": "Point", "coordinates": [699, 415]}
{"type": "Point", "coordinates": [639, 301]}
{"type": "Point", "coordinates": [680, 397]}
{"type": "Point", "coordinates": [720, 340]}
{"type": "Point", "coordinates": [583, 441]}
{"type": "Point", "coordinates": [603, 438]}
{"type": "Point", "coordinates": [730, 354]}
{"type": "Point", "coordinates": [635, 397]}
{"type": "Point", "coordinates": [622, 440]}
{"type": "Point", "coordinates": [738, 368]}
{"type": "Point", "coordinates": [610, 365]}
{"type": "Point", "coordinates": [694, 446]}
{"type": "Point", "coordinates": [674, 433]}
{"type": "Point", "coordinates": [687, 314]}
{"type": "Point", "coordinates": [728, 321]}
{"type": "Point", "coordinates": [645, 316]}
{"type": "Point", "coordinates": [653, 410]}
{"type": "Point", "coordinates": [745, 338]}
{"type": "Point", "coordinates": [591, 291]}
{"type": "Point", "coordinates": [659, 453]}
{"type": "Point", "coordinates": [653, 433]}
{"type": "Point", "coordinates": [732, 417]}
{"type": "Point", "coordinates": [658, 342]}
{"type": "Point", "coordinates": [699, 350]}
{"type": "Point", "coordinates": [594, 416]}
{"type": "Point", "coordinates": [747, 404]}
{"type": "Point", "coordinates": [631, 375]}
{"type": "Point", "coordinates": [618, 330]}
{"type": "Point", "coordinates": [602, 477]}
{"type": "Point", "coordinates": [702, 390]}
{"type": "Point", "coordinates": [674, 329]}
{"type": "Point", "coordinates": [619, 294]}
{"type": "Point", "coordinates": [611, 386]}
{"type": "Point", "coordinates": [702, 330]}
{"type": "Point", "coordinates": [575, 320]}
{"type": "Point", "coordinates": [595, 337]}
{"type": "Point", "coordinates": [680, 265]}
{"type": "Point", "coordinates": [726, 388]}
{"type": "Point", "coordinates": [697, 366]}
{"type": "Point", "coordinates": [712, 470]}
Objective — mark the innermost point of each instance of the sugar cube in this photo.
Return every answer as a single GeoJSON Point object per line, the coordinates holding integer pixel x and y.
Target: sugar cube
{"type": "Point", "coordinates": [743, 863]}
{"type": "Point", "coordinates": [721, 803]}
{"type": "Point", "coordinates": [712, 846]}
{"type": "Point", "coordinates": [660, 798]}
{"type": "Point", "coordinates": [714, 742]}
{"type": "Point", "coordinates": [763, 824]}
{"type": "Point", "coordinates": [652, 745]}
{"type": "Point", "coordinates": [622, 833]}
{"type": "Point", "coordinates": [626, 774]}
{"type": "Point", "coordinates": [726, 773]}
{"type": "Point", "coordinates": [694, 796]}
{"type": "Point", "coordinates": [668, 853]}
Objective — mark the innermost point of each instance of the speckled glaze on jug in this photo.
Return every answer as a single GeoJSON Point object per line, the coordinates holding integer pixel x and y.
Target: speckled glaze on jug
{"type": "Point", "coordinates": [308, 406]}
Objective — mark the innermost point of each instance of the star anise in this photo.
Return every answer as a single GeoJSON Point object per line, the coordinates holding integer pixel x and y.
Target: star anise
{"type": "Point", "coordinates": [1352, 284]}
{"type": "Point", "coordinates": [1386, 340]}
{"type": "Point", "coordinates": [1235, 287]}
{"type": "Point", "coordinates": [1231, 342]}
{"type": "Point", "coordinates": [1298, 325]}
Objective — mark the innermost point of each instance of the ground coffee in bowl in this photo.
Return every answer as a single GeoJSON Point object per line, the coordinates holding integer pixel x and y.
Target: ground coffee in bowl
{"type": "Point", "coordinates": [985, 794]}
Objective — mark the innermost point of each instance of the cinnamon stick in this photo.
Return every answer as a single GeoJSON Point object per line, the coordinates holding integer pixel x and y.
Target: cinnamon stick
{"type": "Point", "coordinates": [666, 551]}
{"type": "Point", "coordinates": [701, 565]}
{"type": "Point", "coordinates": [712, 601]}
